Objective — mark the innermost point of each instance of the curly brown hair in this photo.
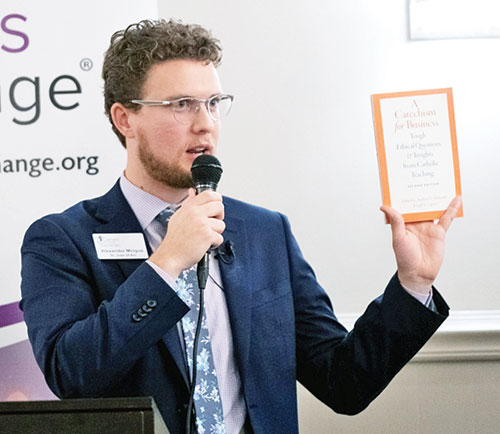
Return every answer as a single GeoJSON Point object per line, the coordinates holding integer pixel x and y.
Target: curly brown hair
{"type": "Point", "coordinates": [133, 51]}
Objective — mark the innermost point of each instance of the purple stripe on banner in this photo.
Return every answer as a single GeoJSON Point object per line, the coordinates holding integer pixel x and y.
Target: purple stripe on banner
{"type": "Point", "coordinates": [21, 378]}
{"type": "Point", "coordinates": [10, 314]}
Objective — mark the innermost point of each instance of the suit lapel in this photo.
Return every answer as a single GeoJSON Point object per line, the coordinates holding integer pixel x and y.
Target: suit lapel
{"type": "Point", "coordinates": [115, 216]}
{"type": "Point", "coordinates": [237, 284]}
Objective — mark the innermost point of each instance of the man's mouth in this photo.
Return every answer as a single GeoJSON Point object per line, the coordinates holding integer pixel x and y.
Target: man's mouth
{"type": "Point", "coordinates": [198, 150]}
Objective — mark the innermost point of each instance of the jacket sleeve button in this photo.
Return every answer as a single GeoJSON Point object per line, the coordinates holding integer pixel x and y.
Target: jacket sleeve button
{"type": "Point", "coordinates": [136, 318]}
{"type": "Point", "coordinates": [142, 314]}
{"type": "Point", "coordinates": [152, 303]}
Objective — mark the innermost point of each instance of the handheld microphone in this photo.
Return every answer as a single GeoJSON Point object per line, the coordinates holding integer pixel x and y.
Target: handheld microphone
{"type": "Point", "coordinates": [206, 172]}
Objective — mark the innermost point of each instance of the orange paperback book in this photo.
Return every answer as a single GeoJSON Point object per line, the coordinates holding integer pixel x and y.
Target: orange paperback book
{"type": "Point", "coordinates": [417, 152]}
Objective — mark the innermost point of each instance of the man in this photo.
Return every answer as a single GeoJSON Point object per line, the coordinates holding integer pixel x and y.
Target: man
{"type": "Point", "coordinates": [107, 327]}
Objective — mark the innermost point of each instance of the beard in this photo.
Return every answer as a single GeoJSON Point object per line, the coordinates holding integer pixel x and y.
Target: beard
{"type": "Point", "coordinates": [168, 174]}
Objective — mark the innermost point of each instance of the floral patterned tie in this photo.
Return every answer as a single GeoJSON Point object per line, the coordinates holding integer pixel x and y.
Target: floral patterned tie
{"type": "Point", "coordinates": [207, 403]}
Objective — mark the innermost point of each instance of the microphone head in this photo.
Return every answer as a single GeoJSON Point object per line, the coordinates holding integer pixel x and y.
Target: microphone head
{"type": "Point", "coordinates": [206, 172]}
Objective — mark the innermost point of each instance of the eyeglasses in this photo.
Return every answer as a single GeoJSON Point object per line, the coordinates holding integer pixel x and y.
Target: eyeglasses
{"type": "Point", "coordinates": [184, 109]}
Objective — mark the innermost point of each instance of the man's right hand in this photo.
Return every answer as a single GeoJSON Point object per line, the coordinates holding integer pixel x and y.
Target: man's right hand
{"type": "Point", "coordinates": [195, 227]}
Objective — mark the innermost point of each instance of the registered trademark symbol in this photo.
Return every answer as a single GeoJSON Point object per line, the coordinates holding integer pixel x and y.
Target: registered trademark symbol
{"type": "Point", "coordinates": [86, 64]}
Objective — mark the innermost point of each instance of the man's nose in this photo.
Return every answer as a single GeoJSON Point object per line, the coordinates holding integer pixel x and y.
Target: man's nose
{"type": "Point", "coordinates": [202, 118]}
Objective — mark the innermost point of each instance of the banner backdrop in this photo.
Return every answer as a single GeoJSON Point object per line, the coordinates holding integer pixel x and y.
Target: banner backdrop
{"type": "Point", "coordinates": [56, 145]}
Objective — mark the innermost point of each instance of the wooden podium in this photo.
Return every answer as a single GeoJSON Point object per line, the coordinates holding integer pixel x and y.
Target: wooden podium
{"type": "Point", "coordinates": [82, 416]}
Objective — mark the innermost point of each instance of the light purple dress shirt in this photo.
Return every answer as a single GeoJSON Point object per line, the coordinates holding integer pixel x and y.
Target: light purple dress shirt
{"type": "Point", "coordinates": [146, 207]}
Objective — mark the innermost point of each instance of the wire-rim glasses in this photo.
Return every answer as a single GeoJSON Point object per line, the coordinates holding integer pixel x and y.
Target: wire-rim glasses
{"type": "Point", "coordinates": [184, 109]}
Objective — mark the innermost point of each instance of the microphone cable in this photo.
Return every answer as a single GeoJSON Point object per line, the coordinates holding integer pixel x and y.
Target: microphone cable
{"type": "Point", "coordinates": [190, 410]}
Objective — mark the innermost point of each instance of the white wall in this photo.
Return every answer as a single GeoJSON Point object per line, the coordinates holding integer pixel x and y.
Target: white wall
{"type": "Point", "coordinates": [302, 74]}
{"type": "Point", "coordinates": [437, 398]}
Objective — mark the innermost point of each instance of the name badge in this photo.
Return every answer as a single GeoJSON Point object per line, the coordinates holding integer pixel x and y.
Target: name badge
{"type": "Point", "coordinates": [120, 246]}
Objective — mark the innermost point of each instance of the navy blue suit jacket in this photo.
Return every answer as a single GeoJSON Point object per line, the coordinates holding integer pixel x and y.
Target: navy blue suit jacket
{"type": "Point", "coordinates": [80, 314]}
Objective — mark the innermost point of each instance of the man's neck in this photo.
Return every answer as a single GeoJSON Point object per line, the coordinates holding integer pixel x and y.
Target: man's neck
{"type": "Point", "coordinates": [164, 192]}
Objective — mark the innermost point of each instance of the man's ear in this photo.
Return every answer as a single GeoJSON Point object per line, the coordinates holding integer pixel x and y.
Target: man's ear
{"type": "Point", "coordinates": [121, 119]}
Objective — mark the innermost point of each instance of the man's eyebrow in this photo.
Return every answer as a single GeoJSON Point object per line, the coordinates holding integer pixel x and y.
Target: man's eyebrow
{"type": "Point", "coordinates": [180, 96]}
{"type": "Point", "coordinates": [174, 97]}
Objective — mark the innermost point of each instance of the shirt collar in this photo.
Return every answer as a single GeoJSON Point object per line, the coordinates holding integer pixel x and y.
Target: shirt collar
{"type": "Point", "coordinates": [144, 205]}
